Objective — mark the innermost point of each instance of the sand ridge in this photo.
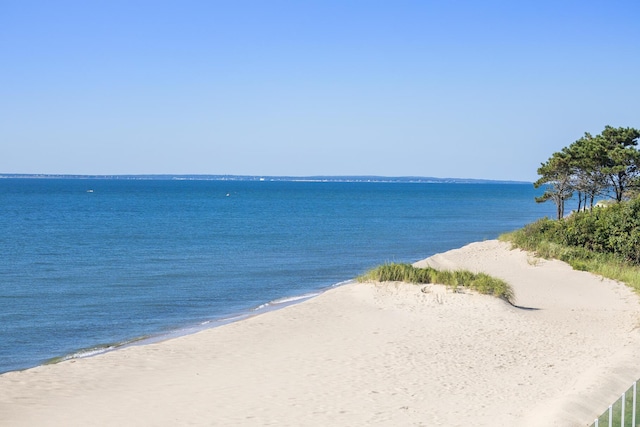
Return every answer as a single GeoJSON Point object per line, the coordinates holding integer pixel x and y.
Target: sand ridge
{"type": "Point", "coordinates": [365, 354]}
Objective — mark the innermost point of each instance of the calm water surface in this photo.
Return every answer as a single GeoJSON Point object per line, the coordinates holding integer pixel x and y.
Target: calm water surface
{"type": "Point", "coordinates": [90, 263]}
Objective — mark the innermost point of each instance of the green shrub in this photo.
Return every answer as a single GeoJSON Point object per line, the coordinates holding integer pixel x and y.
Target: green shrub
{"type": "Point", "coordinates": [604, 241]}
{"type": "Point", "coordinates": [613, 230]}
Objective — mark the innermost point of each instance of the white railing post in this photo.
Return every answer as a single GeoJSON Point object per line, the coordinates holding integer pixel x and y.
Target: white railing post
{"type": "Point", "coordinates": [633, 414]}
{"type": "Point", "coordinates": [610, 415]}
{"type": "Point", "coordinates": [595, 423]}
{"type": "Point", "coordinates": [624, 397]}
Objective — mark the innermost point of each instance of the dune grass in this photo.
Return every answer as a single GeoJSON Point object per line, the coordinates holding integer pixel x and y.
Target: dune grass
{"type": "Point", "coordinates": [479, 282]}
{"type": "Point", "coordinates": [579, 258]}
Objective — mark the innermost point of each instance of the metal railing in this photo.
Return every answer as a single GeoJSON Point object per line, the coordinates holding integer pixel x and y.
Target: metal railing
{"type": "Point", "coordinates": [624, 412]}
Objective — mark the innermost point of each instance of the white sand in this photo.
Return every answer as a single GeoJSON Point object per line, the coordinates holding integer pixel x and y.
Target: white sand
{"type": "Point", "coordinates": [364, 354]}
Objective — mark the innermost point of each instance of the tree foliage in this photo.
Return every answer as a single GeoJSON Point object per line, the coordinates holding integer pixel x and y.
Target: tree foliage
{"type": "Point", "coordinates": [592, 166]}
{"type": "Point", "coordinates": [614, 230]}
{"type": "Point", "coordinates": [556, 174]}
{"type": "Point", "coordinates": [621, 160]}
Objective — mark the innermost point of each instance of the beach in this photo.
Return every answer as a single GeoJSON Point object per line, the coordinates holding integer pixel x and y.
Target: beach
{"type": "Point", "coordinates": [388, 354]}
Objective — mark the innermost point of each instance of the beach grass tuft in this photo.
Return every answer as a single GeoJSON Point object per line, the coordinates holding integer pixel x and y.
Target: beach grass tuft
{"type": "Point", "coordinates": [479, 282]}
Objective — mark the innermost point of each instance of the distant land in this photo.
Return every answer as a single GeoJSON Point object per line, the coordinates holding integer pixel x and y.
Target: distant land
{"type": "Point", "coordinates": [347, 178]}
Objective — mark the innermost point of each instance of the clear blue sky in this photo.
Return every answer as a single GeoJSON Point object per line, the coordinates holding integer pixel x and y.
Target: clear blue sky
{"type": "Point", "coordinates": [470, 89]}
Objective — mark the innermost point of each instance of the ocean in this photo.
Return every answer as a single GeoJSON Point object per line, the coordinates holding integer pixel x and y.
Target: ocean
{"type": "Point", "coordinates": [89, 265]}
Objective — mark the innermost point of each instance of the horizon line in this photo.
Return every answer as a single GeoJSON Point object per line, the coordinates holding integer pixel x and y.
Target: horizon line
{"type": "Point", "coordinates": [229, 177]}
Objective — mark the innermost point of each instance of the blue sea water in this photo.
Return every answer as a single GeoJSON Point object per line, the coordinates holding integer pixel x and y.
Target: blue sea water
{"type": "Point", "coordinates": [91, 263]}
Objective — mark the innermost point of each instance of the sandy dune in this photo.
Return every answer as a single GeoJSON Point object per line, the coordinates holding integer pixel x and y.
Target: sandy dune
{"type": "Point", "coordinates": [369, 354]}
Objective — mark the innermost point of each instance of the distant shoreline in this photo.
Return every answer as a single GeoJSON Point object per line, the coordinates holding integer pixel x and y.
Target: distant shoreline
{"type": "Point", "coordinates": [266, 178]}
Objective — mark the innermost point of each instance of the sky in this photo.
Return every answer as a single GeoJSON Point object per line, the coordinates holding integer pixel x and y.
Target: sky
{"type": "Point", "coordinates": [466, 89]}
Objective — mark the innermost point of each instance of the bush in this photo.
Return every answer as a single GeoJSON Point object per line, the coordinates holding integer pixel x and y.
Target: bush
{"type": "Point", "coordinates": [613, 230]}
{"type": "Point", "coordinates": [604, 241]}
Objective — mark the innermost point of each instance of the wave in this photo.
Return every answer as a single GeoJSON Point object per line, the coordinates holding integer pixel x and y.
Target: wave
{"type": "Point", "coordinates": [94, 351]}
{"type": "Point", "coordinates": [284, 301]}
{"type": "Point", "coordinates": [287, 300]}
{"type": "Point", "coordinates": [203, 325]}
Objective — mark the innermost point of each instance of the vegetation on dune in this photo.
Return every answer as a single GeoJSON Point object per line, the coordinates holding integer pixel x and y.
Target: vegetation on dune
{"type": "Point", "coordinates": [603, 238]}
{"type": "Point", "coordinates": [604, 241]}
{"type": "Point", "coordinates": [478, 282]}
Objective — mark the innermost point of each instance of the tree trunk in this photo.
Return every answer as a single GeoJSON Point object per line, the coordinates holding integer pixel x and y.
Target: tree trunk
{"type": "Point", "coordinates": [580, 201]}
{"type": "Point", "coordinates": [560, 207]}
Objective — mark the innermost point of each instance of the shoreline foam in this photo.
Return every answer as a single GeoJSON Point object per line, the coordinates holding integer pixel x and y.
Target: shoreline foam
{"type": "Point", "coordinates": [276, 304]}
{"type": "Point", "coordinates": [365, 354]}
